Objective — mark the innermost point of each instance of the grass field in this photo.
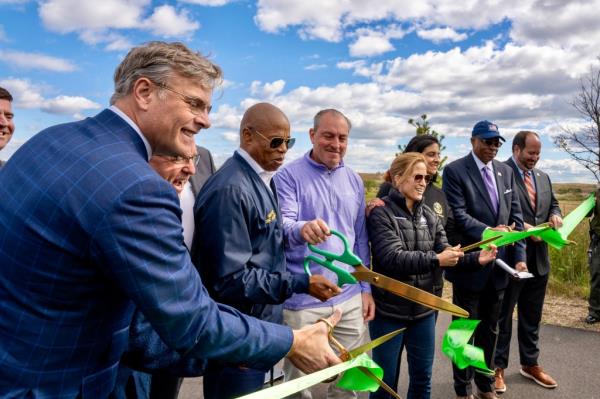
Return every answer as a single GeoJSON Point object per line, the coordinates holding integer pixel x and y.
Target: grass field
{"type": "Point", "coordinates": [570, 274]}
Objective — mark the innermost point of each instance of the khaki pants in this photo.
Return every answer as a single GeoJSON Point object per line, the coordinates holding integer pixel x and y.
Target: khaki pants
{"type": "Point", "coordinates": [351, 332]}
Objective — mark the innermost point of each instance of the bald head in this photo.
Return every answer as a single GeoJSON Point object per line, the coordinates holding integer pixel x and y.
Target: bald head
{"type": "Point", "coordinates": [260, 124]}
{"type": "Point", "coordinates": [263, 116]}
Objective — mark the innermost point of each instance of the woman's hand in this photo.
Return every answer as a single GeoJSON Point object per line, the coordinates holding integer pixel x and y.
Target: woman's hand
{"type": "Point", "coordinates": [487, 256]}
{"type": "Point", "coordinates": [450, 256]}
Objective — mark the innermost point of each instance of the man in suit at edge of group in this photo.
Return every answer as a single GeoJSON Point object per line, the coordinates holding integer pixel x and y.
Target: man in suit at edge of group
{"type": "Point", "coordinates": [93, 232]}
{"type": "Point", "coordinates": [482, 194]}
{"type": "Point", "coordinates": [538, 205]}
{"type": "Point", "coordinates": [7, 123]}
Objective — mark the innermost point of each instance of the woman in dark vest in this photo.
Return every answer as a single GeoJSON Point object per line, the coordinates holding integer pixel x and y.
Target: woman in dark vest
{"type": "Point", "coordinates": [408, 243]}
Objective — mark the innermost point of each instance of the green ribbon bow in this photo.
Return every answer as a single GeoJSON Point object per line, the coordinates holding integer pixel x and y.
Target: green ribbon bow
{"type": "Point", "coordinates": [456, 346]}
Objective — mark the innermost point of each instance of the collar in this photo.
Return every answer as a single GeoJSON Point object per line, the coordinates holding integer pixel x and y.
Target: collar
{"type": "Point", "coordinates": [320, 166]}
{"type": "Point", "coordinates": [264, 174]}
{"type": "Point", "coordinates": [135, 127]}
{"type": "Point", "coordinates": [480, 163]}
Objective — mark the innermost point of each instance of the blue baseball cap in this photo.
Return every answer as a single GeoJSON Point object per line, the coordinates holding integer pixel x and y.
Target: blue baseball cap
{"type": "Point", "coordinates": [486, 130]}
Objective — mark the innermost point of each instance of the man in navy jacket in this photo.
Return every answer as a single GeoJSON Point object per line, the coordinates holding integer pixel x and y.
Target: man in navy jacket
{"type": "Point", "coordinates": [482, 194]}
{"type": "Point", "coordinates": [238, 240]}
{"type": "Point", "coordinates": [89, 231]}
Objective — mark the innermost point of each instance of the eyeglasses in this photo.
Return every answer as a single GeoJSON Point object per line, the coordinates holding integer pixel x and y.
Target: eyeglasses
{"type": "Point", "coordinates": [420, 178]}
{"type": "Point", "coordinates": [197, 105]}
{"type": "Point", "coordinates": [276, 142]}
{"type": "Point", "coordinates": [492, 142]}
{"type": "Point", "coordinates": [180, 159]}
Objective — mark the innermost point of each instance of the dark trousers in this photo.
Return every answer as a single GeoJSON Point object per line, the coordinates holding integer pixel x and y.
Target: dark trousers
{"type": "Point", "coordinates": [165, 386]}
{"type": "Point", "coordinates": [594, 262]}
{"type": "Point", "coordinates": [484, 306]}
{"type": "Point", "coordinates": [223, 382]}
{"type": "Point", "coordinates": [528, 295]}
{"type": "Point", "coordinates": [419, 341]}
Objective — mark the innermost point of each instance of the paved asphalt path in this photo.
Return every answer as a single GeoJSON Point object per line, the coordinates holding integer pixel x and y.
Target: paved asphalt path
{"type": "Point", "coordinates": [570, 355]}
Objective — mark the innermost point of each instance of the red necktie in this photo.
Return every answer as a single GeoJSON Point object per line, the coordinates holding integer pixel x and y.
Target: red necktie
{"type": "Point", "coordinates": [530, 188]}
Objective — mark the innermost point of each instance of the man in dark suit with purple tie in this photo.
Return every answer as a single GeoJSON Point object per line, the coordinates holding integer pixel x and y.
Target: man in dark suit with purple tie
{"type": "Point", "coordinates": [538, 205]}
{"type": "Point", "coordinates": [482, 194]}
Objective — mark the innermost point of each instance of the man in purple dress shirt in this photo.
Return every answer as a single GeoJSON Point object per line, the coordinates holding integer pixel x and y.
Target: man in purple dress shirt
{"type": "Point", "coordinates": [318, 192]}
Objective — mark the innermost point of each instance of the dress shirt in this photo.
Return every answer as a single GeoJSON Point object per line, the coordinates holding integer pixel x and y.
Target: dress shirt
{"type": "Point", "coordinates": [522, 173]}
{"type": "Point", "coordinates": [490, 167]}
{"type": "Point", "coordinates": [187, 199]}
{"type": "Point", "coordinates": [135, 127]}
{"type": "Point", "coordinates": [264, 175]}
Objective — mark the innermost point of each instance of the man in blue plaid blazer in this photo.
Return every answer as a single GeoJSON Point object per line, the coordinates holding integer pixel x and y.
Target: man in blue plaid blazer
{"type": "Point", "coordinates": [88, 231]}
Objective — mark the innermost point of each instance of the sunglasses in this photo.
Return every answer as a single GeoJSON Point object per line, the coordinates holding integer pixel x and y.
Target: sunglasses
{"type": "Point", "coordinates": [420, 178]}
{"type": "Point", "coordinates": [276, 142]}
{"type": "Point", "coordinates": [492, 142]}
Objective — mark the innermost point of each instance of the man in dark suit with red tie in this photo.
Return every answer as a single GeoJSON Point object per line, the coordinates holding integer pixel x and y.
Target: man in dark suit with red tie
{"type": "Point", "coordinates": [538, 205]}
{"type": "Point", "coordinates": [482, 194]}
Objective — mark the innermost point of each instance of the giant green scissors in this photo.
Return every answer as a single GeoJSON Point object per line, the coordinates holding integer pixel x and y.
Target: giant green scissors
{"type": "Point", "coordinates": [362, 273]}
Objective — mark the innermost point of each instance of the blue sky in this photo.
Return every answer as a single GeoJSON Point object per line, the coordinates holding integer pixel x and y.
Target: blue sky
{"type": "Point", "coordinates": [516, 63]}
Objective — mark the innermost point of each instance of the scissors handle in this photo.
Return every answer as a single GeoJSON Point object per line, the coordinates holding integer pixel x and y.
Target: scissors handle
{"type": "Point", "coordinates": [347, 257]}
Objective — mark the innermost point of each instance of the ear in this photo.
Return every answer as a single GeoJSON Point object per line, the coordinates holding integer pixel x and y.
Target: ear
{"type": "Point", "coordinates": [245, 137]}
{"type": "Point", "coordinates": [312, 134]}
{"type": "Point", "coordinates": [142, 92]}
{"type": "Point", "coordinates": [397, 181]}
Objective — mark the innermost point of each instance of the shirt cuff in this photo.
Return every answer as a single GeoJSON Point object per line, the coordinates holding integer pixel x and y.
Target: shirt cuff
{"type": "Point", "coordinates": [365, 287]}
{"type": "Point", "coordinates": [295, 238]}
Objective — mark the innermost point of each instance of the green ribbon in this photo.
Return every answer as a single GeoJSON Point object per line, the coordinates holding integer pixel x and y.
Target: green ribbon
{"type": "Point", "coordinates": [353, 379]}
{"type": "Point", "coordinates": [556, 238]}
{"type": "Point", "coordinates": [456, 346]}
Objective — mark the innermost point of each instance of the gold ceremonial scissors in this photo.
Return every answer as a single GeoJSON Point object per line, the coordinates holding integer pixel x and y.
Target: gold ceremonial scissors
{"type": "Point", "coordinates": [379, 280]}
{"type": "Point", "coordinates": [346, 354]}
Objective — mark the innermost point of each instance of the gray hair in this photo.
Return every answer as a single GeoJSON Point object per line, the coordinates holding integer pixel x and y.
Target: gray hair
{"type": "Point", "coordinates": [317, 118]}
{"type": "Point", "coordinates": [157, 61]}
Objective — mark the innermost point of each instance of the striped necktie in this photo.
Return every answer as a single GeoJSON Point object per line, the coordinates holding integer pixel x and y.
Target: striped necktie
{"type": "Point", "coordinates": [530, 188]}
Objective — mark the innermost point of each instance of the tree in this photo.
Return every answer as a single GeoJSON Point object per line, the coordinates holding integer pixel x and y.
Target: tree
{"type": "Point", "coordinates": [422, 127]}
{"type": "Point", "coordinates": [583, 143]}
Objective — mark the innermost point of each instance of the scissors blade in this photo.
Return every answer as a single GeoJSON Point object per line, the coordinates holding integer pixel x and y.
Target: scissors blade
{"type": "Point", "coordinates": [407, 291]}
{"type": "Point", "coordinates": [480, 243]}
{"type": "Point", "coordinates": [382, 384]}
{"type": "Point", "coordinates": [374, 343]}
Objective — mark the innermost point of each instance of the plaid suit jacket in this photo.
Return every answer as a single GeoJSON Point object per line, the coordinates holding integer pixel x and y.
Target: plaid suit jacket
{"type": "Point", "coordinates": [88, 231]}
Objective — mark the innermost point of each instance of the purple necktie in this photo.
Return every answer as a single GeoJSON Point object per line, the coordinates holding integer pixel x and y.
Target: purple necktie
{"type": "Point", "coordinates": [489, 184]}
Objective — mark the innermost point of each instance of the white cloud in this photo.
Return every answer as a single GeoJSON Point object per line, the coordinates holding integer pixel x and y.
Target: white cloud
{"type": "Point", "coordinates": [314, 67]}
{"type": "Point", "coordinates": [28, 96]}
{"type": "Point", "coordinates": [267, 90]}
{"type": "Point", "coordinates": [438, 35]}
{"type": "Point", "coordinates": [96, 21]}
{"type": "Point", "coordinates": [367, 46]}
{"type": "Point", "coordinates": [375, 41]}
{"type": "Point", "coordinates": [65, 16]}
{"type": "Point", "coordinates": [22, 60]}
{"type": "Point", "coordinates": [68, 105]}
{"type": "Point", "coordinates": [166, 22]}
{"type": "Point", "coordinates": [232, 137]}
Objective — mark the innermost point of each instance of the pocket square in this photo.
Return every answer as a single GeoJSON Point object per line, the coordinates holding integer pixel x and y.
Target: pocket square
{"type": "Point", "coordinates": [508, 190]}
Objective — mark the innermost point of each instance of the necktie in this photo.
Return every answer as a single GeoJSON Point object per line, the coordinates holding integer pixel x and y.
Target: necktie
{"type": "Point", "coordinates": [530, 188]}
{"type": "Point", "coordinates": [489, 185]}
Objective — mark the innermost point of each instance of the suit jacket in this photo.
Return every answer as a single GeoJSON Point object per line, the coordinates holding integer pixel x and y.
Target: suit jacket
{"type": "Point", "coordinates": [473, 213]}
{"type": "Point", "coordinates": [88, 231]}
{"type": "Point", "coordinates": [238, 243]}
{"type": "Point", "coordinates": [205, 168]}
{"type": "Point", "coordinates": [538, 261]}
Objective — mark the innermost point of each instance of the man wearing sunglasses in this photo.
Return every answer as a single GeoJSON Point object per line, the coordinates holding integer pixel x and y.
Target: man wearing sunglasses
{"type": "Point", "coordinates": [318, 192]}
{"type": "Point", "coordinates": [238, 241]}
{"type": "Point", "coordinates": [482, 194]}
